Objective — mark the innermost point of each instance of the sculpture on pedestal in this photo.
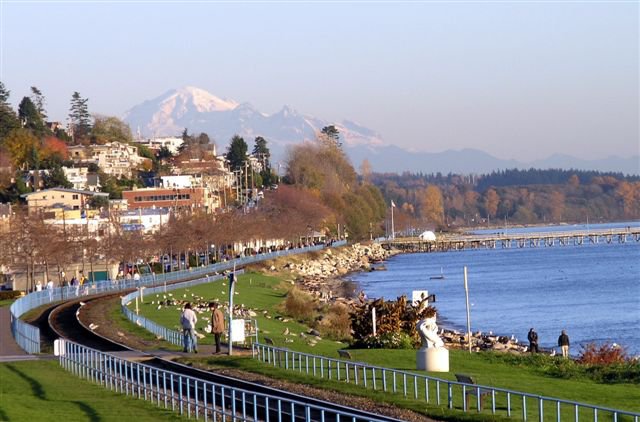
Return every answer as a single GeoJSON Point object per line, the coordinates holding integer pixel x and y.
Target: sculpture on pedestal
{"type": "Point", "coordinates": [432, 356]}
{"type": "Point", "coordinates": [428, 330]}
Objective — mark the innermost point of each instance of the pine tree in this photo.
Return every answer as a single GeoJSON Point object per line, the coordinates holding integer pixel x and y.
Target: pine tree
{"type": "Point", "coordinates": [79, 118]}
{"type": "Point", "coordinates": [331, 135]}
{"type": "Point", "coordinates": [261, 151]}
{"type": "Point", "coordinates": [30, 117]}
{"type": "Point", "coordinates": [8, 119]}
{"type": "Point", "coordinates": [39, 101]}
{"type": "Point", "coordinates": [237, 153]}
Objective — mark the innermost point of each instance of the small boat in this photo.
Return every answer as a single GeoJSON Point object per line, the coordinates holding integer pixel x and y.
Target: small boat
{"type": "Point", "coordinates": [438, 277]}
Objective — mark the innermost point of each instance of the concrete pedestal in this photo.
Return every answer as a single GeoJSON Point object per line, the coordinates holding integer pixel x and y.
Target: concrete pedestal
{"type": "Point", "coordinates": [433, 359]}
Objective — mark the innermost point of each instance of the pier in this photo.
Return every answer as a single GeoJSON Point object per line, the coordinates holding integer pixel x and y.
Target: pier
{"type": "Point", "coordinates": [505, 240]}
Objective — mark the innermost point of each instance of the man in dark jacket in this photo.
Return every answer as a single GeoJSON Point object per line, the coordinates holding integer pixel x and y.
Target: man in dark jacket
{"type": "Point", "coordinates": [217, 324]}
{"type": "Point", "coordinates": [533, 341]}
{"type": "Point", "coordinates": [563, 342]}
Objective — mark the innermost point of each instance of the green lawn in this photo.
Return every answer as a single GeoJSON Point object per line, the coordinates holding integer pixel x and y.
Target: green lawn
{"type": "Point", "coordinates": [267, 293]}
{"type": "Point", "coordinates": [43, 391]}
{"type": "Point", "coordinates": [257, 291]}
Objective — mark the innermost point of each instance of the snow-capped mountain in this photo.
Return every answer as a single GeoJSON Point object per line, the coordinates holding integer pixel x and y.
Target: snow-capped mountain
{"type": "Point", "coordinates": [200, 111]}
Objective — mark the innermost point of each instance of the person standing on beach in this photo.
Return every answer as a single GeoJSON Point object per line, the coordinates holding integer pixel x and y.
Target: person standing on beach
{"type": "Point", "coordinates": [533, 341]}
{"type": "Point", "coordinates": [563, 343]}
{"type": "Point", "coordinates": [217, 324]}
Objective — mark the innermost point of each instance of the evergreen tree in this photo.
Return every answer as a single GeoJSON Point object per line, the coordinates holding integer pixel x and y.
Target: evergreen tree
{"type": "Point", "coordinates": [39, 101]}
{"type": "Point", "coordinates": [30, 117]}
{"type": "Point", "coordinates": [261, 151]}
{"type": "Point", "coordinates": [331, 135]}
{"type": "Point", "coordinates": [237, 153]}
{"type": "Point", "coordinates": [8, 119]}
{"type": "Point", "coordinates": [79, 117]}
{"type": "Point", "coordinates": [55, 178]}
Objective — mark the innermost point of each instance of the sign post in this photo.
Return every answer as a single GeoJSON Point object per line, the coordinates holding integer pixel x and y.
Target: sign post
{"type": "Point", "coordinates": [232, 280]}
{"type": "Point", "coordinates": [466, 293]}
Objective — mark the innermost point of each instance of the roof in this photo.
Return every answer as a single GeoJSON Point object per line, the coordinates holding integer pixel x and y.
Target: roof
{"type": "Point", "coordinates": [78, 191]}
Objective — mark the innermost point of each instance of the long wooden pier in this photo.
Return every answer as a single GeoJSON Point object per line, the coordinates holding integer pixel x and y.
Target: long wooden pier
{"type": "Point", "coordinates": [505, 240]}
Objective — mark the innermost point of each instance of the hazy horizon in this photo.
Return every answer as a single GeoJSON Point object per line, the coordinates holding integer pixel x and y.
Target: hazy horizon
{"type": "Point", "coordinates": [517, 80]}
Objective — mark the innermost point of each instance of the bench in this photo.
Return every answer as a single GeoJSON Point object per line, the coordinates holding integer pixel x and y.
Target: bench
{"type": "Point", "coordinates": [471, 391]}
{"type": "Point", "coordinates": [344, 354]}
{"type": "Point", "coordinates": [269, 341]}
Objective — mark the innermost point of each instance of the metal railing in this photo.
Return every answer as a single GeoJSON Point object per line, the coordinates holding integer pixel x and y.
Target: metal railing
{"type": "Point", "coordinates": [189, 396]}
{"type": "Point", "coordinates": [172, 336]}
{"type": "Point", "coordinates": [452, 394]}
{"type": "Point", "coordinates": [28, 336]}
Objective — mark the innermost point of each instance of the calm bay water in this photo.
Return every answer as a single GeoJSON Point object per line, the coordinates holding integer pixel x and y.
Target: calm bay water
{"type": "Point", "coordinates": [592, 291]}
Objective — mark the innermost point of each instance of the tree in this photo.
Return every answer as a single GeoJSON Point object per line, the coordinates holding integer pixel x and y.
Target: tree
{"type": "Point", "coordinates": [55, 178]}
{"type": "Point", "coordinates": [8, 118]}
{"type": "Point", "coordinates": [203, 139]}
{"type": "Point", "coordinates": [23, 147]}
{"type": "Point", "coordinates": [261, 151]}
{"type": "Point", "coordinates": [30, 117]}
{"type": "Point", "coordinates": [108, 129]}
{"type": "Point", "coordinates": [365, 170]}
{"type": "Point", "coordinates": [431, 205]}
{"type": "Point", "coordinates": [330, 135]}
{"type": "Point", "coordinates": [39, 101]}
{"type": "Point", "coordinates": [79, 118]}
{"type": "Point", "coordinates": [237, 153]}
{"type": "Point", "coordinates": [491, 201]}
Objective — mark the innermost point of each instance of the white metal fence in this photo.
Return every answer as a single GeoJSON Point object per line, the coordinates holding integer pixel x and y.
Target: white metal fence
{"type": "Point", "coordinates": [455, 395]}
{"type": "Point", "coordinates": [190, 396]}
{"type": "Point", "coordinates": [28, 336]}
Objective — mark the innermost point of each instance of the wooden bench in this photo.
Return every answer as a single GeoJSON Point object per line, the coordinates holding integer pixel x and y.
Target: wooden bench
{"type": "Point", "coordinates": [344, 354]}
{"type": "Point", "coordinates": [471, 391]}
{"type": "Point", "coordinates": [269, 341]}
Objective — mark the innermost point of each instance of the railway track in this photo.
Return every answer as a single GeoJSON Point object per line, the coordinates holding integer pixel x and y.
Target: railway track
{"type": "Point", "coordinates": [65, 323]}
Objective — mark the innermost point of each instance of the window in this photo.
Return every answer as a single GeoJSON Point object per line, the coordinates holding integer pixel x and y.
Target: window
{"type": "Point", "coordinates": [74, 196]}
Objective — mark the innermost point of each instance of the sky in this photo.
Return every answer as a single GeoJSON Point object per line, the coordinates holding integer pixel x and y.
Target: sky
{"type": "Point", "coordinates": [519, 80]}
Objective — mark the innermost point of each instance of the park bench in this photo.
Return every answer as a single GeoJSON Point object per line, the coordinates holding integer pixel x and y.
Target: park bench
{"type": "Point", "coordinates": [344, 354]}
{"type": "Point", "coordinates": [472, 391]}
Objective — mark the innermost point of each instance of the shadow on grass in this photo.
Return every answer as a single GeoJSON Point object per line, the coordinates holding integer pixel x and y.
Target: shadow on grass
{"type": "Point", "coordinates": [38, 391]}
{"type": "Point", "coordinates": [92, 415]}
{"type": "Point", "coordinates": [36, 387]}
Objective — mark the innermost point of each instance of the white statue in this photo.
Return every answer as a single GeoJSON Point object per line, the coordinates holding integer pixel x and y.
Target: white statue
{"type": "Point", "coordinates": [428, 330]}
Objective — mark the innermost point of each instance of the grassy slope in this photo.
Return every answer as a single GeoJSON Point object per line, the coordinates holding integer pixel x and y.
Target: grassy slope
{"type": "Point", "coordinates": [254, 290]}
{"type": "Point", "coordinates": [263, 292]}
{"type": "Point", "coordinates": [43, 391]}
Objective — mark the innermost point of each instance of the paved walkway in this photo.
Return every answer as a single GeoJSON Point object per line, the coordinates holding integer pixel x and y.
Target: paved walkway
{"type": "Point", "coordinates": [9, 349]}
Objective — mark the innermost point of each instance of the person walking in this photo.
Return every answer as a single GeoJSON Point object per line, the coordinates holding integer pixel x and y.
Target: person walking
{"type": "Point", "coordinates": [563, 342]}
{"type": "Point", "coordinates": [533, 341]}
{"type": "Point", "coordinates": [188, 321]}
{"type": "Point", "coordinates": [217, 324]}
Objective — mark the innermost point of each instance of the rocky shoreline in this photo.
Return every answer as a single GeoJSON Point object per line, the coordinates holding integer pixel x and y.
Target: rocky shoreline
{"type": "Point", "coordinates": [323, 275]}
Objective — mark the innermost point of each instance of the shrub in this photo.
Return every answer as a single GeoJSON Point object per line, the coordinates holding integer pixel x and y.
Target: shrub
{"type": "Point", "coordinates": [9, 294]}
{"type": "Point", "coordinates": [605, 354]}
{"type": "Point", "coordinates": [397, 340]}
{"type": "Point", "coordinates": [299, 305]}
{"type": "Point", "coordinates": [336, 324]}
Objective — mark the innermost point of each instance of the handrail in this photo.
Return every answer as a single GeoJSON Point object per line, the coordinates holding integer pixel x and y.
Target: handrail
{"type": "Point", "coordinates": [457, 393]}
{"type": "Point", "coordinates": [28, 336]}
{"type": "Point", "coordinates": [186, 394]}
{"type": "Point", "coordinates": [174, 337]}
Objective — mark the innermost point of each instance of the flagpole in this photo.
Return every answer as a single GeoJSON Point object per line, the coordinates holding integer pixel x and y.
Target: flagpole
{"type": "Point", "coordinates": [393, 229]}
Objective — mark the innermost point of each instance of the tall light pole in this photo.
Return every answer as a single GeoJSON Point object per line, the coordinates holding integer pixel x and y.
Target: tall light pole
{"type": "Point", "coordinates": [393, 229]}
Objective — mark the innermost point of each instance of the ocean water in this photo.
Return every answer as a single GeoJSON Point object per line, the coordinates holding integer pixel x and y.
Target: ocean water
{"type": "Point", "coordinates": [592, 291]}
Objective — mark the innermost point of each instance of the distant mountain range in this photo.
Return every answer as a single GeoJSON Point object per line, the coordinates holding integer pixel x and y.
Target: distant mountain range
{"type": "Point", "coordinates": [201, 111]}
